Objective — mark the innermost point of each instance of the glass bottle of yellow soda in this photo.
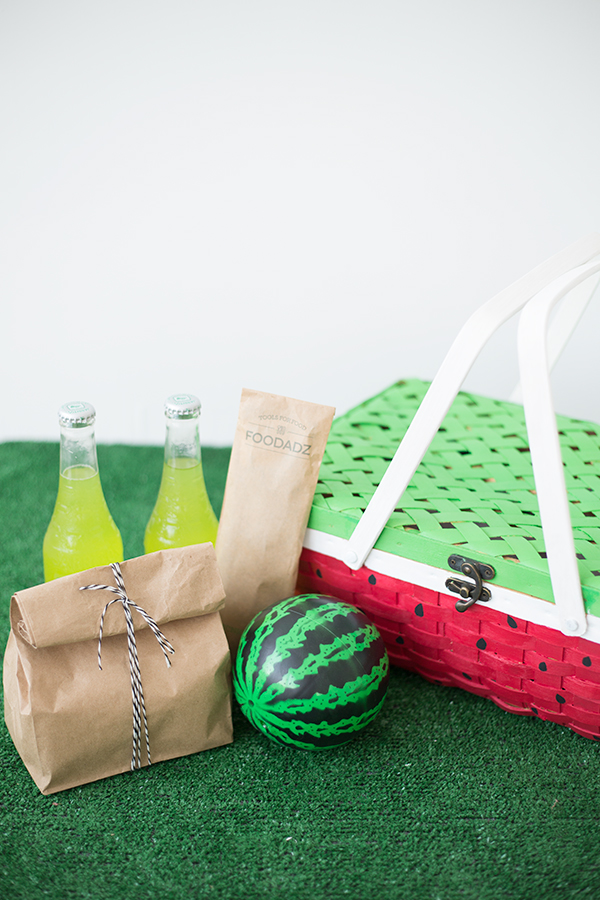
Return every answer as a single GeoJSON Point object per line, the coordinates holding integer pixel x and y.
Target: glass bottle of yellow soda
{"type": "Point", "coordinates": [183, 514]}
{"type": "Point", "coordinates": [81, 533]}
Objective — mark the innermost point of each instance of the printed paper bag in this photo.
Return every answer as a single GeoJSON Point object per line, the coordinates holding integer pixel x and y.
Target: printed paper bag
{"type": "Point", "coordinates": [277, 450]}
{"type": "Point", "coordinates": [73, 722]}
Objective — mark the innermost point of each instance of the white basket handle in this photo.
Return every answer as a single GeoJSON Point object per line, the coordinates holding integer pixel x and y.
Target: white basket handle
{"type": "Point", "coordinates": [445, 386]}
{"type": "Point", "coordinates": [544, 444]}
{"type": "Point", "coordinates": [563, 325]}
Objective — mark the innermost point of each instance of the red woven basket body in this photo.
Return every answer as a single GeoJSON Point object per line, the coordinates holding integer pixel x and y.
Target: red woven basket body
{"type": "Point", "coordinates": [524, 668]}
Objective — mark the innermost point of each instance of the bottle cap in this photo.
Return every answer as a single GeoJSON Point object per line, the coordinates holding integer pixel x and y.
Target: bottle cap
{"type": "Point", "coordinates": [182, 406]}
{"type": "Point", "coordinates": [76, 414]}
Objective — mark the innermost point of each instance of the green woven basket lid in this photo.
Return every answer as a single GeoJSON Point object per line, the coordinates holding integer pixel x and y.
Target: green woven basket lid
{"type": "Point", "coordinates": [473, 493]}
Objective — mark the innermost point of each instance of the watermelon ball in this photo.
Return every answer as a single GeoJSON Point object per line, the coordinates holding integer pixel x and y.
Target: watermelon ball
{"type": "Point", "coordinates": [311, 672]}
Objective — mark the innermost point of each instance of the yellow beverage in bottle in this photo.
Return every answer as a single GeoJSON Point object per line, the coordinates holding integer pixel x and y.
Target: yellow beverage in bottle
{"type": "Point", "coordinates": [183, 514]}
{"type": "Point", "coordinates": [82, 533]}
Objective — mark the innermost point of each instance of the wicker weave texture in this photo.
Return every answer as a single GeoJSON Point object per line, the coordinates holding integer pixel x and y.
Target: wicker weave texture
{"type": "Point", "coordinates": [474, 489]}
{"type": "Point", "coordinates": [524, 668]}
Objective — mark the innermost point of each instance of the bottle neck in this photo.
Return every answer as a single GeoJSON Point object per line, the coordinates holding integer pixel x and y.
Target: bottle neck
{"type": "Point", "coordinates": [182, 442]}
{"type": "Point", "coordinates": [77, 450]}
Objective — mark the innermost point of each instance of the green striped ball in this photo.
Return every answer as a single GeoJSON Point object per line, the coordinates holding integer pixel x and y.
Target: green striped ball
{"type": "Point", "coordinates": [311, 672]}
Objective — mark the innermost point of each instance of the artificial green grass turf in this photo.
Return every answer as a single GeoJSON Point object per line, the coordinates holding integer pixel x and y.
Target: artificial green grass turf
{"type": "Point", "coordinates": [444, 796]}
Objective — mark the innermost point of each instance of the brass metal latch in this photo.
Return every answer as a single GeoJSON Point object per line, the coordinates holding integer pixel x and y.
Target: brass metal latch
{"type": "Point", "coordinates": [473, 591]}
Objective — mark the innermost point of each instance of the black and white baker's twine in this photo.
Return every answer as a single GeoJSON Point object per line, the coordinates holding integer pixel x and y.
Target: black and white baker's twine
{"type": "Point", "coordinates": [137, 694]}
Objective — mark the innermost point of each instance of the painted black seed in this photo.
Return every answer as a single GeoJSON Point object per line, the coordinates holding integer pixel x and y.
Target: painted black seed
{"type": "Point", "coordinates": [399, 639]}
{"type": "Point", "coordinates": [511, 621]}
{"type": "Point", "coordinates": [586, 661]}
{"type": "Point", "coordinates": [372, 579]}
{"type": "Point", "coordinates": [543, 667]}
{"type": "Point", "coordinates": [534, 710]}
{"type": "Point", "coordinates": [419, 610]}
{"type": "Point", "coordinates": [482, 644]}
{"type": "Point", "coordinates": [560, 699]}
{"type": "Point", "coordinates": [319, 575]}
{"type": "Point", "coordinates": [468, 677]}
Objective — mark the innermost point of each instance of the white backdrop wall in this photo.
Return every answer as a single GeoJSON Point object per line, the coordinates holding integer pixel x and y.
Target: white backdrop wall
{"type": "Point", "coordinates": [307, 198]}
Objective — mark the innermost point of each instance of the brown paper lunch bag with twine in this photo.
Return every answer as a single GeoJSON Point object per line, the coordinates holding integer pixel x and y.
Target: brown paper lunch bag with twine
{"type": "Point", "coordinates": [71, 722]}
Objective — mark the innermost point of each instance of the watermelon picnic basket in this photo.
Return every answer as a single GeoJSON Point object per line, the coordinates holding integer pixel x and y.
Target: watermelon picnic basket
{"type": "Point", "coordinates": [468, 529]}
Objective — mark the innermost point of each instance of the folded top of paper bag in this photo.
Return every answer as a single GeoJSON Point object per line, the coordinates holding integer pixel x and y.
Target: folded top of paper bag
{"type": "Point", "coordinates": [169, 584]}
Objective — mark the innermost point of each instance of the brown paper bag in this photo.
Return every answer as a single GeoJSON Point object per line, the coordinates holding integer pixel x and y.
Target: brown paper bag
{"type": "Point", "coordinates": [72, 723]}
{"type": "Point", "coordinates": [273, 472]}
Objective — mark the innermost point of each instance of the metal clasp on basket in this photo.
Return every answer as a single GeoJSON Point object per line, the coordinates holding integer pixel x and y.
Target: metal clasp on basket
{"type": "Point", "coordinates": [470, 592]}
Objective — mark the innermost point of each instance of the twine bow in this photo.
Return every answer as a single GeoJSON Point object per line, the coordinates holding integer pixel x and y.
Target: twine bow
{"type": "Point", "coordinates": [137, 694]}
